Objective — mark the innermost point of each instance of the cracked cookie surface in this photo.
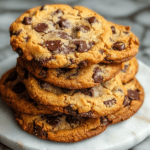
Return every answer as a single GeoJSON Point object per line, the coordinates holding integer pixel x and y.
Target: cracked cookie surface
{"type": "Point", "coordinates": [77, 78]}
{"type": "Point", "coordinates": [60, 36]}
{"type": "Point", "coordinates": [105, 98]}
{"type": "Point", "coordinates": [132, 103]}
{"type": "Point", "coordinates": [60, 127]}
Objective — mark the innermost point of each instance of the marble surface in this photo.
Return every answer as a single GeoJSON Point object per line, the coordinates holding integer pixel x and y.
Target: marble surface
{"type": "Point", "coordinates": [135, 13]}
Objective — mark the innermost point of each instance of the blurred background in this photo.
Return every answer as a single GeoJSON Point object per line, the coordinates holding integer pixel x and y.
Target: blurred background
{"type": "Point", "coordinates": [135, 13]}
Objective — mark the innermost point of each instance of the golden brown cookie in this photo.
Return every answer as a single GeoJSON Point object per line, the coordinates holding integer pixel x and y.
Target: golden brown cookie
{"type": "Point", "coordinates": [14, 94]}
{"type": "Point", "coordinates": [60, 36]}
{"type": "Point", "coordinates": [77, 78]}
{"type": "Point", "coordinates": [132, 103]}
{"type": "Point", "coordinates": [129, 70]}
{"type": "Point", "coordinates": [100, 100]}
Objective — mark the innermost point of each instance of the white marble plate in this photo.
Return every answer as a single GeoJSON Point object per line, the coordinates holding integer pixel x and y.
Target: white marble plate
{"type": "Point", "coordinates": [123, 135]}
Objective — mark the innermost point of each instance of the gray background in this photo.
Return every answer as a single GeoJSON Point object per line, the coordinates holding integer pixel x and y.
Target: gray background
{"type": "Point", "coordinates": [135, 13]}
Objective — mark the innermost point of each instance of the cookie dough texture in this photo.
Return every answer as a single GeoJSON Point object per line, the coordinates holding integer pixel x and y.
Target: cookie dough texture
{"type": "Point", "coordinates": [14, 94]}
{"type": "Point", "coordinates": [60, 128]}
{"type": "Point", "coordinates": [132, 103]}
{"type": "Point", "coordinates": [60, 36]}
{"type": "Point", "coordinates": [129, 70]}
{"type": "Point", "coordinates": [57, 36]}
{"type": "Point", "coordinates": [77, 78]}
{"type": "Point", "coordinates": [100, 100]}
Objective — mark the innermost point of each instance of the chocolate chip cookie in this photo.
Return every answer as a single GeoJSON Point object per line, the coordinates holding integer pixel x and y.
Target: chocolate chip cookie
{"type": "Point", "coordinates": [132, 103]}
{"type": "Point", "coordinates": [77, 78]}
{"type": "Point", "coordinates": [60, 127]}
{"type": "Point", "coordinates": [60, 36]}
{"type": "Point", "coordinates": [124, 44]}
{"type": "Point", "coordinates": [14, 94]}
{"type": "Point", "coordinates": [105, 98]}
{"type": "Point", "coordinates": [129, 70]}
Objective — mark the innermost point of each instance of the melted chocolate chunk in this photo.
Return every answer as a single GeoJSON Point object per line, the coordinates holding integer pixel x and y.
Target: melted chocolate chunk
{"type": "Point", "coordinates": [110, 102]}
{"type": "Point", "coordinates": [73, 119]}
{"type": "Point", "coordinates": [62, 71]}
{"type": "Point", "coordinates": [64, 23]}
{"type": "Point", "coordinates": [97, 75]}
{"type": "Point", "coordinates": [126, 101]}
{"type": "Point", "coordinates": [86, 114]}
{"type": "Point", "coordinates": [125, 32]}
{"type": "Point", "coordinates": [43, 84]}
{"type": "Point", "coordinates": [113, 29]}
{"type": "Point", "coordinates": [43, 72]}
{"type": "Point", "coordinates": [92, 20]}
{"type": "Point", "coordinates": [27, 20]}
{"type": "Point", "coordinates": [119, 46]}
{"type": "Point", "coordinates": [133, 95]}
{"type": "Point", "coordinates": [15, 33]}
{"type": "Point", "coordinates": [41, 27]}
{"type": "Point", "coordinates": [63, 35]}
{"type": "Point", "coordinates": [19, 88]}
{"type": "Point", "coordinates": [53, 45]}
{"type": "Point", "coordinates": [58, 11]}
{"type": "Point", "coordinates": [41, 61]}
{"type": "Point", "coordinates": [125, 68]}
{"type": "Point", "coordinates": [104, 121]}
{"type": "Point", "coordinates": [89, 91]}
{"type": "Point", "coordinates": [27, 38]}
{"type": "Point", "coordinates": [101, 51]}
{"type": "Point", "coordinates": [72, 60]}
{"type": "Point", "coordinates": [83, 64]}
{"type": "Point", "coordinates": [12, 76]}
{"type": "Point", "coordinates": [19, 51]}
{"type": "Point", "coordinates": [91, 44]}
{"type": "Point", "coordinates": [83, 28]}
{"type": "Point", "coordinates": [43, 8]}
{"type": "Point", "coordinates": [70, 110]}
{"type": "Point", "coordinates": [81, 46]}
{"type": "Point", "coordinates": [39, 131]}
{"type": "Point", "coordinates": [51, 120]}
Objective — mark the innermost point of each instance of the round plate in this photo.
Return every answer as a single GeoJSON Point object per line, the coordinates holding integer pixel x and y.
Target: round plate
{"type": "Point", "coordinates": [122, 135]}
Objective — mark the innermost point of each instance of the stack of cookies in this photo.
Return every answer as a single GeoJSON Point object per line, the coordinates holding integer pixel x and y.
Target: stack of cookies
{"type": "Point", "coordinates": [75, 74]}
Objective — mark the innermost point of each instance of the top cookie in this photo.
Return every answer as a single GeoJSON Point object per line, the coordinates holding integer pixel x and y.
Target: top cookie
{"type": "Point", "coordinates": [61, 36]}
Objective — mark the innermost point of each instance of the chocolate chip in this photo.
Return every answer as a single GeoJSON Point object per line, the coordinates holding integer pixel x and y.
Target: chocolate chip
{"type": "Point", "coordinates": [41, 27]}
{"type": "Point", "coordinates": [53, 45]}
{"type": "Point", "coordinates": [19, 51]}
{"type": "Point", "coordinates": [133, 95]}
{"type": "Point", "coordinates": [62, 71]}
{"type": "Point", "coordinates": [125, 32]}
{"type": "Point", "coordinates": [97, 75]}
{"type": "Point", "coordinates": [70, 110]}
{"type": "Point", "coordinates": [15, 33]}
{"type": "Point", "coordinates": [86, 114]}
{"type": "Point", "coordinates": [113, 29]}
{"type": "Point", "coordinates": [43, 72]}
{"type": "Point", "coordinates": [83, 64]}
{"type": "Point", "coordinates": [57, 12]}
{"type": "Point", "coordinates": [64, 23]}
{"type": "Point", "coordinates": [19, 88]}
{"type": "Point", "coordinates": [81, 46]}
{"type": "Point", "coordinates": [51, 120]}
{"type": "Point", "coordinates": [26, 72]}
{"type": "Point", "coordinates": [119, 46]}
{"type": "Point", "coordinates": [27, 20]}
{"type": "Point", "coordinates": [12, 76]}
{"type": "Point", "coordinates": [27, 38]}
{"type": "Point", "coordinates": [104, 121]}
{"type": "Point", "coordinates": [72, 61]}
{"type": "Point", "coordinates": [110, 102]}
{"type": "Point", "coordinates": [89, 91]}
{"type": "Point", "coordinates": [63, 35]}
{"type": "Point", "coordinates": [101, 51]}
{"type": "Point", "coordinates": [43, 84]}
{"type": "Point", "coordinates": [125, 68]}
{"type": "Point", "coordinates": [73, 119]}
{"type": "Point", "coordinates": [39, 131]}
{"type": "Point", "coordinates": [91, 44]}
{"type": "Point", "coordinates": [92, 20]}
{"type": "Point", "coordinates": [126, 101]}
{"type": "Point", "coordinates": [43, 8]}
{"type": "Point", "coordinates": [83, 28]}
